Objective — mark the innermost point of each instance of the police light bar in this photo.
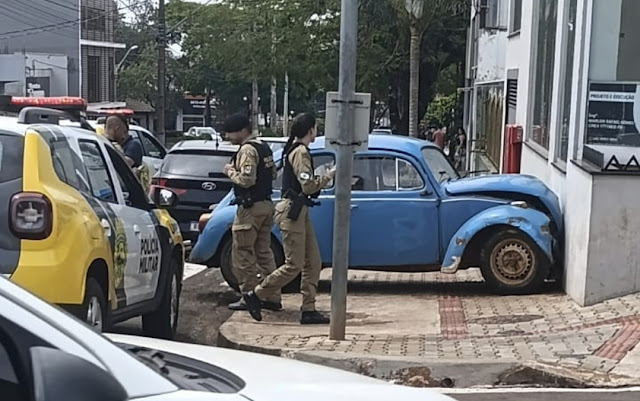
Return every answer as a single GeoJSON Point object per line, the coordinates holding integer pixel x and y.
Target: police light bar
{"type": "Point", "coordinates": [16, 103]}
{"type": "Point", "coordinates": [116, 112]}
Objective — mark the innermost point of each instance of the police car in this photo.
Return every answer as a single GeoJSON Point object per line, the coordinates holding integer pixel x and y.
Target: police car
{"type": "Point", "coordinates": [78, 229]}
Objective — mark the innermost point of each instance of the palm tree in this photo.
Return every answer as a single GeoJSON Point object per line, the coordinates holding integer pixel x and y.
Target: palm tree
{"type": "Point", "coordinates": [415, 9]}
{"type": "Point", "coordinates": [420, 13]}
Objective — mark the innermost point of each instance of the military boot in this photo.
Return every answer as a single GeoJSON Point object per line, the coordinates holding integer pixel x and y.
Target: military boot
{"type": "Point", "coordinates": [313, 317]}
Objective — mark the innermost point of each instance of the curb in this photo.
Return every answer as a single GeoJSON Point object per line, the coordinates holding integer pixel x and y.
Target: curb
{"type": "Point", "coordinates": [419, 372]}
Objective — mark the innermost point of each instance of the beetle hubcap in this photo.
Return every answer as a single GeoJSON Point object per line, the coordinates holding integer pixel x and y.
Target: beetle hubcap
{"type": "Point", "coordinates": [512, 261]}
{"type": "Point", "coordinates": [94, 314]}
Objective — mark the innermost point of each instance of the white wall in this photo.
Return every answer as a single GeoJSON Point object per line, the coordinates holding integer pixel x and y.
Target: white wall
{"type": "Point", "coordinates": [52, 66]}
{"type": "Point", "coordinates": [492, 53]}
{"type": "Point", "coordinates": [577, 225]}
{"type": "Point", "coordinates": [614, 260]}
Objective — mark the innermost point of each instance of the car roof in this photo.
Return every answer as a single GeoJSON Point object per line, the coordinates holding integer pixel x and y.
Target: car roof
{"type": "Point", "coordinates": [400, 143]}
{"type": "Point", "coordinates": [273, 138]}
{"type": "Point", "coordinates": [204, 144]}
{"type": "Point", "coordinates": [11, 124]}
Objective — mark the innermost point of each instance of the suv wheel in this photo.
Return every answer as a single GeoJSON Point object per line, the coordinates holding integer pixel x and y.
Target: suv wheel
{"type": "Point", "coordinates": [512, 264]}
{"type": "Point", "coordinates": [163, 322]}
{"type": "Point", "coordinates": [94, 307]}
{"type": "Point", "coordinates": [226, 267]}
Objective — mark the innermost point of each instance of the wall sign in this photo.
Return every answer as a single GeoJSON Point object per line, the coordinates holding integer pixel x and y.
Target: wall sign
{"type": "Point", "coordinates": [613, 114]}
{"type": "Point", "coordinates": [195, 105]}
{"type": "Point", "coordinates": [38, 86]}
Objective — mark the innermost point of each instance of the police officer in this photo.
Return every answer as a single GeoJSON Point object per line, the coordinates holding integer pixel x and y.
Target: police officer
{"type": "Point", "coordinates": [117, 131]}
{"type": "Point", "coordinates": [252, 172]}
{"type": "Point", "coordinates": [299, 187]}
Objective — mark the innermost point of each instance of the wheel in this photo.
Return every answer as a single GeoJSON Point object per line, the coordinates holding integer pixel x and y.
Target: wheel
{"type": "Point", "coordinates": [163, 322]}
{"type": "Point", "coordinates": [94, 307]}
{"type": "Point", "coordinates": [227, 270]}
{"type": "Point", "coordinates": [512, 264]}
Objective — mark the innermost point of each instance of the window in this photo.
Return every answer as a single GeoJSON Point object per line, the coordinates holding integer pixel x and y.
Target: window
{"type": "Point", "coordinates": [516, 16]}
{"type": "Point", "coordinates": [493, 14]}
{"type": "Point", "coordinates": [67, 165]}
{"type": "Point", "coordinates": [489, 121]}
{"type": "Point", "coordinates": [322, 162]}
{"type": "Point", "coordinates": [151, 146]}
{"type": "Point", "coordinates": [197, 164]}
{"type": "Point", "coordinates": [384, 173]}
{"type": "Point", "coordinates": [98, 173]}
{"type": "Point", "coordinates": [93, 19]}
{"type": "Point", "coordinates": [570, 27]}
{"type": "Point", "coordinates": [543, 72]}
{"type": "Point", "coordinates": [11, 154]}
{"type": "Point", "coordinates": [10, 387]}
{"type": "Point", "coordinates": [93, 71]}
{"type": "Point", "coordinates": [134, 195]}
{"type": "Point", "coordinates": [112, 80]}
{"type": "Point", "coordinates": [439, 165]}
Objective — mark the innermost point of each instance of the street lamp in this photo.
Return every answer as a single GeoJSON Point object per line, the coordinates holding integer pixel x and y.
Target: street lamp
{"type": "Point", "coordinates": [117, 71]}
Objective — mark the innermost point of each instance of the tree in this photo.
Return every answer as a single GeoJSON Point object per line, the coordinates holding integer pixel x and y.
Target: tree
{"type": "Point", "coordinates": [420, 16]}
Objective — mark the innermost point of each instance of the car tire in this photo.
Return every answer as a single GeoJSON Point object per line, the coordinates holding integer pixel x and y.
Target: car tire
{"type": "Point", "coordinates": [513, 264]}
{"type": "Point", "coordinates": [226, 267]}
{"type": "Point", "coordinates": [94, 310]}
{"type": "Point", "coordinates": [163, 322]}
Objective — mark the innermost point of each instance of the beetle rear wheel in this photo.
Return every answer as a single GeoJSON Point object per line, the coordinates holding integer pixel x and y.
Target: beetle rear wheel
{"type": "Point", "coordinates": [513, 264]}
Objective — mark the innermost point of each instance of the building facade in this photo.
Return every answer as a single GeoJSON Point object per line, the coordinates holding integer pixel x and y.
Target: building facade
{"type": "Point", "coordinates": [570, 74]}
{"type": "Point", "coordinates": [67, 45]}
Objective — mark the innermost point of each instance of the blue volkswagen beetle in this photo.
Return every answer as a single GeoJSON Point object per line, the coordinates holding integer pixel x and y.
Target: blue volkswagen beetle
{"type": "Point", "coordinates": [411, 211]}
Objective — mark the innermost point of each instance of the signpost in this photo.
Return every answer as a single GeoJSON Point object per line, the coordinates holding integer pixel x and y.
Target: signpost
{"type": "Point", "coordinates": [344, 142]}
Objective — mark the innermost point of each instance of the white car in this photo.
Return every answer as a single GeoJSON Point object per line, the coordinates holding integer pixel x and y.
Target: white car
{"type": "Point", "coordinates": [203, 133]}
{"type": "Point", "coordinates": [46, 354]}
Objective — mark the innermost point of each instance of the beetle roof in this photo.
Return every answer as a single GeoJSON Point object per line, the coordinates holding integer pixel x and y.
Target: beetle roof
{"type": "Point", "coordinates": [387, 142]}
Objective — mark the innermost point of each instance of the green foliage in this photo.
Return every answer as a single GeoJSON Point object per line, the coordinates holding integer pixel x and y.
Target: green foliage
{"type": "Point", "coordinates": [442, 110]}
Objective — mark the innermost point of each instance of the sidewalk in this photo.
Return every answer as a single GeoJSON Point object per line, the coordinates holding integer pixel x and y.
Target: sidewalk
{"type": "Point", "coordinates": [444, 330]}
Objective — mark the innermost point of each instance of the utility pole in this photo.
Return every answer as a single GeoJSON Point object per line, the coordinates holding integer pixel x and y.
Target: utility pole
{"type": "Point", "coordinates": [162, 85]}
{"type": "Point", "coordinates": [285, 106]}
{"type": "Point", "coordinates": [345, 145]}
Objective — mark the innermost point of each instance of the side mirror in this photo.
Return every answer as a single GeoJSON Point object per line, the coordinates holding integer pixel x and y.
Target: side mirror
{"type": "Point", "coordinates": [165, 198]}
{"type": "Point", "coordinates": [61, 376]}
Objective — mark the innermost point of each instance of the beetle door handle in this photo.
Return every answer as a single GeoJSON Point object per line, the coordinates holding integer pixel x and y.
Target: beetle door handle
{"type": "Point", "coordinates": [136, 229]}
{"type": "Point", "coordinates": [354, 206]}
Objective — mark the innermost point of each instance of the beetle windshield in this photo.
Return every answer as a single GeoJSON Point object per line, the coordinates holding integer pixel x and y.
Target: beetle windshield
{"type": "Point", "coordinates": [440, 167]}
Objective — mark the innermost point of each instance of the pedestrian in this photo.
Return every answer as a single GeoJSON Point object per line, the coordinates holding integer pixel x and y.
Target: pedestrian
{"type": "Point", "coordinates": [461, 149]}
{"type": "Point", "coordinates": [252, 172]}
{"type": "Point", "coordinates": [300, 186]}
{"type": "Point", "coordinates": [438, 137]}
{"type": "Point", "coordinates": [117, 131]}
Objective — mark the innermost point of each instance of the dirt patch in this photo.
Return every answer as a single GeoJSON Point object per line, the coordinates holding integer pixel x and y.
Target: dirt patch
{"type": "Point", "coordinates": [203, 309]}
{"type": "Point", "coordinates": [419, 376]}
{"type": "Point", "coordinates": [506, 319]}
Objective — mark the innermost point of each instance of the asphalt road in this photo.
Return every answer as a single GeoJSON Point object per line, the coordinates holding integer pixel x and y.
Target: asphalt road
{"type": "Point", "coordinates": [550, 396]}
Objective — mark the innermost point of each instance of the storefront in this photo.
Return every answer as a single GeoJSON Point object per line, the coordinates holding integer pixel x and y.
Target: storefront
{"type": "Point", "coordinates": [192, 112]}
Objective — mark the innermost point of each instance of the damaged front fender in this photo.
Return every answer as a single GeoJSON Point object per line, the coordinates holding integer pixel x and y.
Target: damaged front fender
{"type": "Point", "coordinates": [530, 221]}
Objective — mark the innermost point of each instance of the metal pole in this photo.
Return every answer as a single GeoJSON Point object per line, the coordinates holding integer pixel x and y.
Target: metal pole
{"type": "Point", "coordinates": [342, 214]}
{"type": "Point", "coordinates": [162, 85]}
{"type": "Point", "coordinates": [285, 106]}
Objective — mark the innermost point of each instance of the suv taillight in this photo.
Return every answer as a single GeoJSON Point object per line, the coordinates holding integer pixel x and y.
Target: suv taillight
{"type": "Point", "coordinates": [31, 216]}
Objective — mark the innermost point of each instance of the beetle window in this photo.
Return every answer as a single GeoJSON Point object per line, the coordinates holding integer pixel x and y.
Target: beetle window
{"type": "Point", "coordinates": [379, 173]}
{"type": "Point", "coordinates": [322, 163]}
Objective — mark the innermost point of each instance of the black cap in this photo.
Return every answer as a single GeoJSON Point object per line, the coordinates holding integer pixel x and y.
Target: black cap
{"type": "Point", "coordinates": [236, 122]}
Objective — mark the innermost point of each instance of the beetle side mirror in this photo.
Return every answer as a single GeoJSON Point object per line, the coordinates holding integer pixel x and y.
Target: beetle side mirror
{"type": "Point", "coordinates": [58, 375]}
{"type": "Point", "coordinates": [165, 198]}
{"type": "Point", "coordinates": [426, 192]}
